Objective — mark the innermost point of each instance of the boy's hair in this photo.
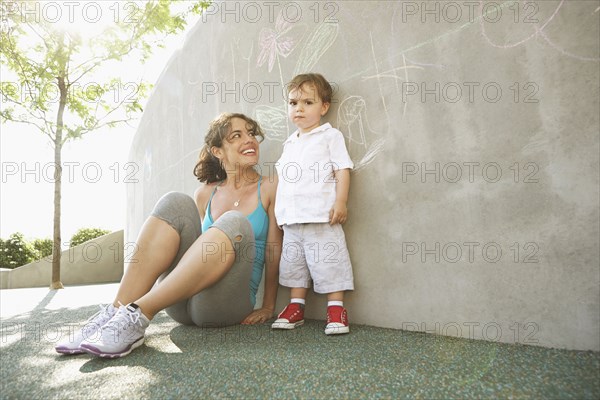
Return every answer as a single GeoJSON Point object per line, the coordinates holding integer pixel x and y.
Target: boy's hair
{"type": "Point", "coordinates": [323, 87]}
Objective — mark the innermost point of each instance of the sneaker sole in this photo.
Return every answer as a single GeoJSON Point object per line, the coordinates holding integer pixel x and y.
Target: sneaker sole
{"type": "Point", "coordinates": [286, 325]}
{"type": "Point", "coordinates": [337, 330]}
{"type": "Point", "coordinates": [97, 352]}
{"type": "Point", "coordinates": [64, 350]}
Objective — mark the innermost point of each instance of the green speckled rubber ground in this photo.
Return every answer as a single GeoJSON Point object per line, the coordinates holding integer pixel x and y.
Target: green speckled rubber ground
{"type": "Point", "coordinates": [255, 362]}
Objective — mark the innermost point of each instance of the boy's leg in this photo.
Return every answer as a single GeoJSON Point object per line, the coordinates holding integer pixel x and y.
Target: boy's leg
{"type": "Point", "coordinates": [298, 293]}
{"type": "Point", "coordinates": [293, 273]}
{"type": "Point", "coordinates": [331, 271]}
{"type": "Point", "coordinates": [337, 316]}
{"type": "Point", "coordinates": [293, 314]}
{"type": "Point", "coordinates": [335, 296]}
{"type": "Point", "coordinates": [328, 260]}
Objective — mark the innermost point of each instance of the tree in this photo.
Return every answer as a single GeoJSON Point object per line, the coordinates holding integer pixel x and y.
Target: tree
{"type": "Point", "coordinates": [85, 234]}
{"type": "Point", "coordinates": [61, 87]}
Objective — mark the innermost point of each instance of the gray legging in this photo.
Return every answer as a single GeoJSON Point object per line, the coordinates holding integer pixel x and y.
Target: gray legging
{"type": "Point", "coordinates": [228, 301]}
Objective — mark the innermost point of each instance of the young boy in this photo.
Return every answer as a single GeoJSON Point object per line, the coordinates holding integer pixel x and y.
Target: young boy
{"type": "Point", "coordinates": [314, 178]}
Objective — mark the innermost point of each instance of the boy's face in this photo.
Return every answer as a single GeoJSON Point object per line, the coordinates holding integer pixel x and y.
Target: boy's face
{"type": "Point", "coordinates": [305, 108]}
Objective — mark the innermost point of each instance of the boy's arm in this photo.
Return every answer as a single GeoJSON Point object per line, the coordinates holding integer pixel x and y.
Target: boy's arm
{"type": "Point", "coordinates": [339, 212]}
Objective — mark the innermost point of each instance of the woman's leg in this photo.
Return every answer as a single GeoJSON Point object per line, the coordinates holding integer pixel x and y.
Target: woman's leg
{"type": "Point", "coordinates": [156, 247]}
{"type": "Point", "coordinates": [209, 261]}
{"type": "Point", "coordinates": [173, 226]}
{"type": "Point", "coordinates": [204, 264]}
{"type": "Point", "coordinates": [231, 300]}
{"type": "Point", "coordinates": [165, 236]}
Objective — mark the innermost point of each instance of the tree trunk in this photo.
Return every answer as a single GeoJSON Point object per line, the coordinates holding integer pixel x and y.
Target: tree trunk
{"type": "Point", "coordinates": [56, 249]}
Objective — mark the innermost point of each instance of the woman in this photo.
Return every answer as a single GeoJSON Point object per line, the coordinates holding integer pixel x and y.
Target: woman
{"type": "Point", "coordinates": [198, 274]}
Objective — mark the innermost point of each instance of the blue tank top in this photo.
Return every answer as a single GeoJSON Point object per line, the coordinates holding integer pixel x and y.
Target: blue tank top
{"type": "Point", "coordinates": [260, 225]}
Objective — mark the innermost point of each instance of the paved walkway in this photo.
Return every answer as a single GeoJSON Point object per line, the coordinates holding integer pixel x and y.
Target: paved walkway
{"type": "Point", "coordinates": [247, 362]}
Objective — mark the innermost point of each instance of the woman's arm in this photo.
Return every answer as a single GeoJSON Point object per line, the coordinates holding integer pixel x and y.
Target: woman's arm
{"type": "Point", "coordinates": [272, 256]}
{"type": "Point", "coordinates": [272, 252]}
{"type": "Point", "coordinates": [201, 196]}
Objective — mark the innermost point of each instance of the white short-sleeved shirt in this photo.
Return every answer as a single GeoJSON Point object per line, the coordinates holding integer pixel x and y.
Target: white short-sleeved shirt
{"type": "Point", "coordinates": [306, 189]}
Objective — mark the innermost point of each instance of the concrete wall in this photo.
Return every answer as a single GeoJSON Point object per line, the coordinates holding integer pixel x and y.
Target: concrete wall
{"type": "Point", "coordinates": [474, 204]}
{"type": "Point", "coordinates": [99, 260]}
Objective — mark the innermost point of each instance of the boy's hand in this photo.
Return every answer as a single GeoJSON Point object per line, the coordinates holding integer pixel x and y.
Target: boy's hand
{"type": "Point", "coordinates": [338, 213]}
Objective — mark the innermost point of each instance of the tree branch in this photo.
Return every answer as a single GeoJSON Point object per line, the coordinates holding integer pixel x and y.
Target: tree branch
{"type": "Point", "coordinates": [24, 121]}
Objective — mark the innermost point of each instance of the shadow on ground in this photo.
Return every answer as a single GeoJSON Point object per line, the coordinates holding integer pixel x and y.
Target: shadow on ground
{"type": "Point", "coordinates": [255, 362]}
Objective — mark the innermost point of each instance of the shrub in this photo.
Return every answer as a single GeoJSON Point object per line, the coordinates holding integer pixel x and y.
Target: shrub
{"type": "Point", "coordinates": [85, 234]}
{"type": "Point", "coordinates": [16, 251]}
{"type": "Point", "coordinates": [43, 248]}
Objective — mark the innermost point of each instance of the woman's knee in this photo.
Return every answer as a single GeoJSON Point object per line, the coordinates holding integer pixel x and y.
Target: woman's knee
{"type": "Point", "coordinates": [237, 228]}
{"type": "Point", "coordinates": [235, 225]}
{"type": "Point", "coordinates": [174, 200]}
{"type": "Point", "coordinates": [178, 210]}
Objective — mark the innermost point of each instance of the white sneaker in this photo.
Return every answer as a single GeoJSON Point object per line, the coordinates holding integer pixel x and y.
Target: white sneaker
{"type": "Point", "coordinates": [93, 325]}
{"type": "Point", "coordinates": [119, 336]}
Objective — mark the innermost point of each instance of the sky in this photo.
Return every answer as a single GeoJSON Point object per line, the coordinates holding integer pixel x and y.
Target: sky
{"type": "Point", "coordinates": [97, 169]}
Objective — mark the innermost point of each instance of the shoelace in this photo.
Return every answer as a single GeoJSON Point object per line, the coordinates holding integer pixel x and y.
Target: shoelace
{"type": "Point", "coordinates": [341, 316]}
{"type": "Point", "coordinates": [129, 317]}
{"type": "Point", "coordinates": [132, 316]}
{"type": "Point", "coordinates": [102, 313]}
{"type": "Point", "coordinates": [288, 313]}
{"type": "Point", "coordinates": [97, 320]}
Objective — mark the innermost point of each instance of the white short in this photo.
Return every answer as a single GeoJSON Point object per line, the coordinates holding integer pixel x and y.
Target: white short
{"type": "Point", "coordinates": [316, 251]}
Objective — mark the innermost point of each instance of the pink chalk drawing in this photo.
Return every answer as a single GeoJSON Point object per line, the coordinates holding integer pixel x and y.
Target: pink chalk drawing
{"type": "Point", "coordinates": [278, 42]}
{"type": "Point", "coordinates": [274, 43]}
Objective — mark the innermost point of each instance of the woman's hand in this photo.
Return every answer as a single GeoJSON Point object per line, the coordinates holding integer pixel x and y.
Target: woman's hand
{"type": "Point", "coordinates": [258, 316]}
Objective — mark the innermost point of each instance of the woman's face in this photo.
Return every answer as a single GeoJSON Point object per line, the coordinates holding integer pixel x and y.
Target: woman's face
{"type": "Point", "coordinates": [240, 146]}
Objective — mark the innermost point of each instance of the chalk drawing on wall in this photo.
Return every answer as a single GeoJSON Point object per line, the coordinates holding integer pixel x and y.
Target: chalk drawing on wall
{"type": "Point", "coordinates": [539, 31]}
{"type": "Point", "coordinates": [273, 121]}
{"type": "Point", "coordinates": [247, 59]}
{"type": "Point", "coordinates": [480, 20]}
{"type": "Point", "coordinates": [397, 78]}
{"type": "Point", "coordinates": [352, 121]}
{"type": "Point", "coordinates": [274, 43]}
{"type": "Point", "coordinates": [282, 41]}
{"type": "Point", "coordinates": [353, 113]}
{"type": "Point", "coordinates": [317, 44]}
